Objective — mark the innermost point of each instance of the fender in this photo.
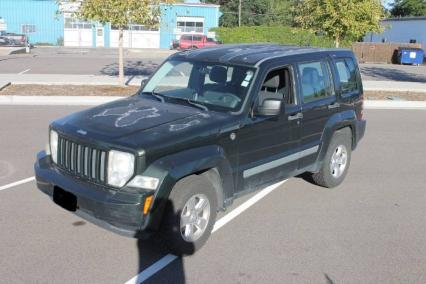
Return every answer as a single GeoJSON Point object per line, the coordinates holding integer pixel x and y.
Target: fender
{"type": "Point", "coordinates": [335, 122]}
{"type": "Point", "coordinates": [210, 161]}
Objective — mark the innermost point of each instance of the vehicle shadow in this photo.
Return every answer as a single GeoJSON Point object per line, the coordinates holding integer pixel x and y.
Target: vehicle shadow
{"type": "Point", "coordinates": [380, 73]}
{"type": "Point", "coordinates": [131, 68]}
{"type": "Point", "coordinates": [306, 177]}
{"type": "Point", "coordinates": [174, 272]}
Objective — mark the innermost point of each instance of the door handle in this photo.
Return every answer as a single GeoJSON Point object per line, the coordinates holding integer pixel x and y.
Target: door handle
{"type": "Point", "coordinates": [297, 116]}
{"type": "Point", "coordinates": [334, 105]}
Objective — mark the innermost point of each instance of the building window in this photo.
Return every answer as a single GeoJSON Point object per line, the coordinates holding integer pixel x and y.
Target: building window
{"type": "Point", "coordinates": [137, 28]}
{"type": "Point", "coordinates": [190, 24]}
{"type": "Point", "coordinates": [73, 23]}
{"type": "Point", "coordinates": [27, 29]}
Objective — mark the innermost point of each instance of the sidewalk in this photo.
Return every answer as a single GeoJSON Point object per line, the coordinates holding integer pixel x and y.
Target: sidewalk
{"type": "Point", "coordinates": [59, 79]}
{"type": "Point", "coordinates": [394, 86]}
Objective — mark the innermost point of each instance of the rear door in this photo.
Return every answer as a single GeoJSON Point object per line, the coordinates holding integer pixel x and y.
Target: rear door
{"type": "Point", "coordinates": [319, 104]}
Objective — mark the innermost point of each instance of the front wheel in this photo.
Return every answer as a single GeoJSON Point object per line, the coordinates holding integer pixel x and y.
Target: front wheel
{"type": "Point", "coordinates": [336, 161]}
{"type": "Point", "coordinates": [190, 215]}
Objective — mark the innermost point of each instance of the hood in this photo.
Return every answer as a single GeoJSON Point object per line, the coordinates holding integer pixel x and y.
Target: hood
{"type": "Point", "coordinates": [116, 121]}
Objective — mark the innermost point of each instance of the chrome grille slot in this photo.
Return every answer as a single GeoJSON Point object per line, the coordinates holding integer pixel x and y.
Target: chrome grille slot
{"type": "Point", "coordinates": [81, 160]}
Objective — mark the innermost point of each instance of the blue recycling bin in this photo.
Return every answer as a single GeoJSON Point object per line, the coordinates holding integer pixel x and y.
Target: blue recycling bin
{"type": "Point", "coordinates": [413, 56]}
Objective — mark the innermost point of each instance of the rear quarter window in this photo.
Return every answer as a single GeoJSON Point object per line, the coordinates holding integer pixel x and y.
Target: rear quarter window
{"type": "Point", "coordinates": [347, 75]}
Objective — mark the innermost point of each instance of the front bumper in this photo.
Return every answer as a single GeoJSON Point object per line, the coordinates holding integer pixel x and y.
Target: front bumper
{"type": "Point", "coordinates": [117, 211]}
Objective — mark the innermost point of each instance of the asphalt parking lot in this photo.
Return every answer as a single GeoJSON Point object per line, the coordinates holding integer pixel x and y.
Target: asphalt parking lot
{"type": "Point", "coordinates": [369, 230]}
{"type": "Point", "coordinates": [87, 61]}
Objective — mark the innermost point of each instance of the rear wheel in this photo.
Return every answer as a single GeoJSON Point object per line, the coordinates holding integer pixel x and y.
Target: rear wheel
{"type": "Point", "coordinates": [190, 215]}
{"type": "Point", "coordinates": [336, 161]}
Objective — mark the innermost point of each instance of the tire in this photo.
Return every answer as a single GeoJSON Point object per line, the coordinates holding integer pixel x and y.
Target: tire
{"type": "Point", "coordinates": [335, 166]}
{"type": "Point", "coordinates": [195, 188]}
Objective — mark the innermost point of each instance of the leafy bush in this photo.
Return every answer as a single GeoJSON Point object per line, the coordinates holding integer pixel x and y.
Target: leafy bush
{"type": "Point", "coordinates": [275, 34]}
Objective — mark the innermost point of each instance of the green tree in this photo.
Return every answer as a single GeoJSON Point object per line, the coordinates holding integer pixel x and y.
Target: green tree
{"type": "Point", "coordinates": [404, 8]}
{"type": "Point", "coordinates": [255, 12]}
{"type": "Point", "coordinates": [343, 19]}
{"type": "Point", "coordinates": [281, 12]}
{"type": "Point", "coordinates": [120, 13]}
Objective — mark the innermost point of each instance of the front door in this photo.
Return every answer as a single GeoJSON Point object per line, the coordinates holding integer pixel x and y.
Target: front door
{"type": "Point", "coordinates": [268, 145]}
{"type": "Point", "coordinates": [100, 36]}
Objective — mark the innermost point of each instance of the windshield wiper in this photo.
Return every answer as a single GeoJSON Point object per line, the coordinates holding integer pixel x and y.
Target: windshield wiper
{"type": "Point", "coordinates": [193, 103]}
{"type": "Point", "coordinates": [158, 96]}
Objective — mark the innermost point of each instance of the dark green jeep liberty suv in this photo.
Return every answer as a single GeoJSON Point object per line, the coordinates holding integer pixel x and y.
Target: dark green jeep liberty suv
{"type": "Point", "coordinates": [209, 125]}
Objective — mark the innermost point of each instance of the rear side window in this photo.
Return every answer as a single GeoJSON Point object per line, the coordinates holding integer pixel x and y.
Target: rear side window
{"type": "Point", "coordinates": [347, 75]}
{"type": "Point", "coordinates": [198, 38]}
{"type": "Point", "coordinates": [316, 80]}
{"type": "Point", "coordinates": [186, 37]}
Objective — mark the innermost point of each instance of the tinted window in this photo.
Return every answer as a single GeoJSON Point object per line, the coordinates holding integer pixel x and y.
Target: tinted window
{"type": "Point", "coordinates": [198, 38]}
{"type": "Point", "coordinates": [186, 37]}
{"type": "Point", "coordinates": [347, 75]}
{"type": "Point", "coordinates": [315, 79]}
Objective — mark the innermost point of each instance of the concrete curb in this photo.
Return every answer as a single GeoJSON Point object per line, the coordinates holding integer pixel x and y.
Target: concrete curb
{"type": "Point", "coordinates": [4, 85]}
{"type": "Point", "coordinates": [408, 105]}
{"type": "Point", "coordinates": [97, 100]}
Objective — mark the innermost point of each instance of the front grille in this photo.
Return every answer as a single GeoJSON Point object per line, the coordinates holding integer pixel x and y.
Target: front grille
{"type": "Point", "coordinates": [82, 160]}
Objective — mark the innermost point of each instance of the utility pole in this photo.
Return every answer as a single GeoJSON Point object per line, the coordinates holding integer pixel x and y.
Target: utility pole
{"type": "Point", "coordinates": [239, 14]}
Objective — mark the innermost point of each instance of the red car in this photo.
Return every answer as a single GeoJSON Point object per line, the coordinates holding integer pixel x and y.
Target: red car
{"type": "Point", "coordinates": [190, 41]}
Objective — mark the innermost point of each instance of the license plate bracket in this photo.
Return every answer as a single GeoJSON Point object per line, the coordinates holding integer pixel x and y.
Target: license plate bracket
{"type": "Point", "coordinates": [65, 199]}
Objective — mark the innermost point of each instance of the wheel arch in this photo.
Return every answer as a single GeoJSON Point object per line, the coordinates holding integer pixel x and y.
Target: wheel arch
{"type": "Point", "coordinates": [337, 122]}
{"type": "Point", "coordinates": [208, 161]}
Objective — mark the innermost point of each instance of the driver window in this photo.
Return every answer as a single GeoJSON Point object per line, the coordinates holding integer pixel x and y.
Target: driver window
{"type": "Point", "coordinates": [277, 85]}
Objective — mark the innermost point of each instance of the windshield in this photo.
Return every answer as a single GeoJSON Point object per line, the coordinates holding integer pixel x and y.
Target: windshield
{"type": "Point", "coordinates": [216, 86]}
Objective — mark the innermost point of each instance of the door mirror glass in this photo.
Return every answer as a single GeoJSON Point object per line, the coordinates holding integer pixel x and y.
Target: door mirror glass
{"type": "Point", "coordinates": [269, 107]}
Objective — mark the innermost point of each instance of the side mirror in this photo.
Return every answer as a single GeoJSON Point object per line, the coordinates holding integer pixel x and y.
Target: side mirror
{"type": "Point", "coordinates": [144, 81]}
{"type": "Point", "coordinates": [270, 107]}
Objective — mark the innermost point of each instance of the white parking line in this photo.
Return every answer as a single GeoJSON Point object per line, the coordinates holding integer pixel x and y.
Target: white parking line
{"type": "Point", "coordinates": [166, 260]}
{"type": "Point", "coordinates": [23, 72]}
{"type": "Point", "coordinates": [10, 185]}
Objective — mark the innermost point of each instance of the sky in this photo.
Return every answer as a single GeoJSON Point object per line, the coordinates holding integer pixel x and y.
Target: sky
{"type": "Point", "coordinates": [387, 3]}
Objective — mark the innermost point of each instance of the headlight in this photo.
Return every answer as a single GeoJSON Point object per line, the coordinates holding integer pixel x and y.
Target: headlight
{"type": "Point", "coordinates": [54, 145]}
{"type": "Point", "coordinates": [121, 166]}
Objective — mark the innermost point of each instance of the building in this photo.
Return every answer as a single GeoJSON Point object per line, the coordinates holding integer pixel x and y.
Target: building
{"type": "Point", "coordinates": [41, 21]}
{"type": "Point", "coordinates": [401, 30]}
{"type": "Point", "coordinates": [37, 19]}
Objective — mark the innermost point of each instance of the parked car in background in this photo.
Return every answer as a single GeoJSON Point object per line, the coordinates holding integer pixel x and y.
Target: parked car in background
{"type": "Point", "coordinates": [175, 44]}
{"type": "Point", "coordinates": [190, 41]}
{"type": "Point", "coordinates": [14, 39]}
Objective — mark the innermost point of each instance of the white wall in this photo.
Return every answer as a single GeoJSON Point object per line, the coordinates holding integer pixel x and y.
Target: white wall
{"type": "Point", "coordinates": [136, 39]}
{"type": "Point", "coordinates": [78, 37]}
